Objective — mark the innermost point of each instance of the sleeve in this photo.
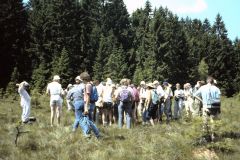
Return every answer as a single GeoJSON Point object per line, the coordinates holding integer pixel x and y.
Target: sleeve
{"type": "Point", "coordinates": [69, 94]}
{"type": "Point", "coordinates": [48, 90]}
{"type": "Point", "coordinates": [197, 93]}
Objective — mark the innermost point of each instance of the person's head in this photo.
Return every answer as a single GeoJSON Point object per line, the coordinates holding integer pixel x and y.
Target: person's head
{"type": "Point", "coordinates": [124, 82]}
{"type": "Point", "coordinates": [165, 84]}
{"type": "Point", "coordinates": [109, 82]}
{"type": "Point", "coordinates": [178, 86]}
{"type": "Point", "coordinates": [129, 81]}
{"type": "Point", "coordinates": [142, 83]}
{"type": "Point", "coordinates": [150, 86]}
{"type": "Point", "coordinates": [156, 83]}
{"type": "Point", "coordinates": [85, 77]}
{"type": "Point", "coordinates": [210, 80]}
{"type": "Point", "coordinates": [69, 86]}
{"type": "Point", "coordinates": [56, 78]}
{"type": "Point", "coordinates": [23, 84]}
{"type": "Point", "coordinates": [78, 80]}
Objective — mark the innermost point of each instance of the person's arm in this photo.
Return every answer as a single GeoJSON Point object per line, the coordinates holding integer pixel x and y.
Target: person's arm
{"type": "Point", "coordinates": [87, 98]}
{"type": "Point", "coordinates": [48, 90]}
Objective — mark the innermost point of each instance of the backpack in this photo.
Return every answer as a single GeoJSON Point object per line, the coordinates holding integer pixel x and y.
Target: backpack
{"type": "Point", "coordinates": [94, 95]}
{"type": "Point", "coordinates": [125, 96]}
{"type": "Point", "coordinates": [155, 97]}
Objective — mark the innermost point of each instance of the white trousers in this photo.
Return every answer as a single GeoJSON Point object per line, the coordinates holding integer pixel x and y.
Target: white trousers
{"type": "Point", "coordinates": [25, 111]}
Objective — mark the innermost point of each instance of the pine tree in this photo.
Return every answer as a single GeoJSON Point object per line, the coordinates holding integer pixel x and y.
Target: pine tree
{"type": "Point", "coordinates": [116, 67]}
{"type": "Point", "coordinates": [62, 68]}
{"type": "Point", "coordinates": [203, 69]}
{"type": "Point", "coordinates": [11, 87]}
{"type": "Point", "coordinates": [14, 36]}
{"type": "Point", "coordinates": [221, 56]}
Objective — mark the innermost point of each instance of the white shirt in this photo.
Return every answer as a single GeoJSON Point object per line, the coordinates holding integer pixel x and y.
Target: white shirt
{"type": "Point", "coordinates": [179, 93]}
{"type": "Point", "coordinates": [160, 91]}
{"type": "Point", "coordinates": [55, 90]}
{"type": "Point", "coordinates": [25, 98]}
{"type": "Point", "coordinates": [107, 93]}
{"type": "Point", "coordinates": [142, 93]}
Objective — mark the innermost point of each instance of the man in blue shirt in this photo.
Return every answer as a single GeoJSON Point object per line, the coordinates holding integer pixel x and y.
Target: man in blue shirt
{"type": "Point", "coordinates": [210, 96]}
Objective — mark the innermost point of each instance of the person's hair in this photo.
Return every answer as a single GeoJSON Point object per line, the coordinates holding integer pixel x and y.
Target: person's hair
{"type": "Point", "coordinates": [210, 80]}
{"type": "Point", "coordinates": [85, 76]}
{"type": "Point", "coordinates": [128, 81]}
{"type": "Point", "coordinates": [124, 82]}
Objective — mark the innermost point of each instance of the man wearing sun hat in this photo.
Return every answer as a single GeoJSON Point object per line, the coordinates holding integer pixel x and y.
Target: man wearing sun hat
{"type": "Point", "coordinates": [54, 89]}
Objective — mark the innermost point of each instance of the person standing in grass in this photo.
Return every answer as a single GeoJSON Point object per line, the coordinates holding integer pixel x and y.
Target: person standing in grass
{"type": "Point", "coordinates": [25, 101]}
{"type": "Point", "coordinates": [108, 103]}
{"type": "Point", "coordinates": [188, 94]}
{"type": "Point", "coordinates": [151, 103]}
{"type": "Point", "coordinates": [54, 89]}
{"type": "Point", "coordinates": [125, 104]}
{"type": "Point", "coordinates": [210, 95]}
{"type": "Point", "coordinates": [167, 101]}
{"type": "Point", "coordinates": [178, 101]}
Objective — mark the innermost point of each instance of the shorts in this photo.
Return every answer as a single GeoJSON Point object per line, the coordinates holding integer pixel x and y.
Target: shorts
{"type": "Point", "coordinates": [57, 103]}
{"type": "Point", "coordinates": [107, 105]}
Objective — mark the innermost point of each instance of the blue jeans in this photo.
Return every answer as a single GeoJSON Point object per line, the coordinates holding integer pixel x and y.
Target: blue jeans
{"type": "Point", "coordinates": [91, 111]}
{"type": "Point", "coordinates": [178, 107]}
{"type": "Point", "coordinates": [166, 109]}
{"type": "Point", "coordinates": [79, 107]}
{"type": "Point", "coordinates": [127, 108]}
{"type": "Point", "coordinates": [87, 125]}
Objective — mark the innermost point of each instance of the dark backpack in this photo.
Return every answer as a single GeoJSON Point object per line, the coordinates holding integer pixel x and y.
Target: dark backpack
{"type": "Point", "coordinates": [125, 96]}
{"type": "Point", "coordinates": [94, 95]}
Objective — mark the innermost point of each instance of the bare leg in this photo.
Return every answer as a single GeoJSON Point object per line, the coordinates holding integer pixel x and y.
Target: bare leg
{"type": "Point", "coordinates": [58, 114]}
{"type": "Point", "coordinates": [53, 112]}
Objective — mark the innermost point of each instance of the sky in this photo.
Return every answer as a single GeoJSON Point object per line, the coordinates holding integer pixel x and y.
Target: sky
{"type": "Point", "coordinates": [200, 9]}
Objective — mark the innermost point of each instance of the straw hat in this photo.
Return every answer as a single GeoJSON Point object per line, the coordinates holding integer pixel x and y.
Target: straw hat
{"type": "Point", "coordinates": [151, 85]}
{"type": "Point", "coordinates": [142, 83]}
{"type": "Point", "coordinates": [56, 77]}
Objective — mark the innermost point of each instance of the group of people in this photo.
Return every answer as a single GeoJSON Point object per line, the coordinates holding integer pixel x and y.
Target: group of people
{"type": "Point", "coordinates": [93, 101]}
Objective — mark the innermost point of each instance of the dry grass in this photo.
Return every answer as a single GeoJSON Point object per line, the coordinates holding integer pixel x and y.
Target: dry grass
{"type": "Point", "coordinates": [174, 141]}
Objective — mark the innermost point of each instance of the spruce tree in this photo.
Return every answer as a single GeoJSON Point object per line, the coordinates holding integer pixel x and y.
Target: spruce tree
{"type": "Point", "coordinates": [14, 38]}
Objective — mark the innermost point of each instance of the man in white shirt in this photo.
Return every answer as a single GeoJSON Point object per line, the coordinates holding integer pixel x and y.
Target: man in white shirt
{"type": "Point", "coordinates": [25, 101]}
{"type": "Point", "coordinates": [54, 89]}
{"type": "Point", "coordinates": [178, 101]}
{"type": "Point", "coordinates": [210, 95]}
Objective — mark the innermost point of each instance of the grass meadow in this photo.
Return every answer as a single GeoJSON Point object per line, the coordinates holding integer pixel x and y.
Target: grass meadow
{"type": "Point", "coordinates": [178, 141]}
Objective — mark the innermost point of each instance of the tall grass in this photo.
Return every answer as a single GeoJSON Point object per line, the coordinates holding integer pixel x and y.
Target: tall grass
{"type": "Point", "coordinates": [175, 141]}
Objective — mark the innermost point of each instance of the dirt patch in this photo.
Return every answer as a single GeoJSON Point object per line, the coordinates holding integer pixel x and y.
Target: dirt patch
{"type": "Point", "coordinates": [204, 153]}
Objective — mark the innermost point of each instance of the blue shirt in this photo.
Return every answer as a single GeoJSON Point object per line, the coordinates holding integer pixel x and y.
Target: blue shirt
{"type": "Point", "coordinates": [208, 93]}
{"type": "Point", "coordinates": [76, 93]}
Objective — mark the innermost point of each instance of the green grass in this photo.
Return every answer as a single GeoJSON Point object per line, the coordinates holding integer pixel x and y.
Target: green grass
{"type": "Point", "coordinates": [177, 141]}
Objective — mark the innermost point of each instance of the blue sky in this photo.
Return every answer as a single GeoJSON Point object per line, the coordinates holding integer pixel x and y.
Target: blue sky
{"type": "Point", "coordinates": [200, 9]}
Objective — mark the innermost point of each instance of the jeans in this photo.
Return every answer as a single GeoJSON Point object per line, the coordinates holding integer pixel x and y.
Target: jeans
{"type": "Point", "coordinates": [87, 125]}
{"type": "Point", "coordinates": [79, 107]}
{"type": "Point", "coordinates": [91, 111]}
{"type": "Point", "coordinates": [127, 108]}
{"type": "Point", "coordinates": [178, 107]}
{"type": "Point", "coordinates": [166, 109]}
